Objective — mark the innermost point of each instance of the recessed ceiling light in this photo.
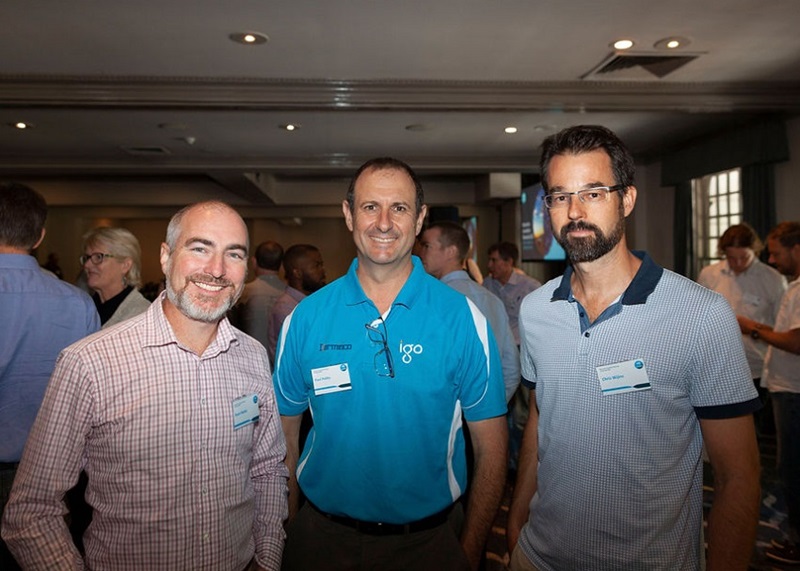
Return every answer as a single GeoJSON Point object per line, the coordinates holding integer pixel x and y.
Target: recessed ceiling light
{"type": "Point", "coordinates": [249, 38]}
{"type": "Point", "coordinates": [290, 127]}
{"type": "Point", "coordinates": [21, 125]}
{"type": "Point", "coordinates": [672, 43]}
{"type": "Point", "coordinates": [510, 130]}
{"type": "Point", "coordinates": [622, 44]}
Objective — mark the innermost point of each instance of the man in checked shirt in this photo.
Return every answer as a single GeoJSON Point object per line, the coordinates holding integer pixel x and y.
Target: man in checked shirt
{"type": "Point", "coordinates": [173, 417]}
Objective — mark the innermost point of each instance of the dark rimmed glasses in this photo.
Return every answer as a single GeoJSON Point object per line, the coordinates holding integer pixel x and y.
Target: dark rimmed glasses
{"type": "Point", "coordinates": [383, 363]}
{"type": "Point", "coordinates": [594, 195]}
{"type": "Point", "coordinates": [96, 258]}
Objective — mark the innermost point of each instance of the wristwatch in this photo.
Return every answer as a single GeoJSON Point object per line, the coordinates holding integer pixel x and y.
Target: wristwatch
{"type": "Point", "coordinates": [754, 332]}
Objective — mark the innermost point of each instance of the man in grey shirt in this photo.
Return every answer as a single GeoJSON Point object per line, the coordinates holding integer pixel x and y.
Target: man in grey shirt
{"type": "Point", "coordinates": [251, 314]}
{"type": "Point", "coordinates": [444, 250]}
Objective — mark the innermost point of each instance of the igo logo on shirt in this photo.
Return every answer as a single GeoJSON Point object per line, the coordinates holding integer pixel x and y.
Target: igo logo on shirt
{"type": "Point", "coordinates": [409, 349]}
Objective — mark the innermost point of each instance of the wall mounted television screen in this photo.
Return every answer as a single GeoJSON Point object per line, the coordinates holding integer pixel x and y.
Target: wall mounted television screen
{"type": "Point", "coordinates": [537, 234]}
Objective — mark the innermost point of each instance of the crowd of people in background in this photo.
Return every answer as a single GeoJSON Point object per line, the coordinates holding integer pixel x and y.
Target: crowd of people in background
{"type": "Point", "coordinates": [373, 422]}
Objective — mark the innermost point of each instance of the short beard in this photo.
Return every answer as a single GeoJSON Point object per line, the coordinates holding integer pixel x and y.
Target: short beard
{"type": "Point", "coordinates": [589, 249]}
{"type": "Point", "coordinates": [186, 305]}
{"type": "Point", "coordinates": [310, 285]}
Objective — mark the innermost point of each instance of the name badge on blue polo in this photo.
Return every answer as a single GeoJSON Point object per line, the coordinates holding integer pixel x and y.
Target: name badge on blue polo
{"type": "Point", "coordinates": [245, 411]}
{"type": "Point", "coordinates": [331, 379]}
{"type": "Point", "coordinates": [625, 377]}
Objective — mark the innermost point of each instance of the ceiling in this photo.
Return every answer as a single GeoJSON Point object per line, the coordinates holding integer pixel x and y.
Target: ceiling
{"type": "Point", "coordinates": [155, 91]}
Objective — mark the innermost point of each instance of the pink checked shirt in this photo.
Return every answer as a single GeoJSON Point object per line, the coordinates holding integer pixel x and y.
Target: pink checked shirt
{"type": "Point", "coordinates": [172, 484]}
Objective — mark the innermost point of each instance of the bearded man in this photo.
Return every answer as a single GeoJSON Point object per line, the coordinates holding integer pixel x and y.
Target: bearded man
{"type": "Point", "coordinates": [173, 417]}
{"type": "Point", "coordinates": [632, 369]}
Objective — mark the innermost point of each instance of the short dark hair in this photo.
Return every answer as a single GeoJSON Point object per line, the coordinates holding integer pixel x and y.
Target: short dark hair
{"type": "Point", "coordinates": [787, 233]}
{"type": "Point", "coordinates": [453, 234]}
{"type": "Point", "coordinates": [23, 212]}
{"type": "Point", "coordinates": [585, 139]}
{"type": "Point", "coordinates": [295, 253]}
{"type": "Point", "coordinates": [269, 255]}
{"type": "Point", "coordinates": [506, 250]}
{"type": "Point", "coordinates": [740, 236]}
{"type": "Point", "coordinates": [386, 163]}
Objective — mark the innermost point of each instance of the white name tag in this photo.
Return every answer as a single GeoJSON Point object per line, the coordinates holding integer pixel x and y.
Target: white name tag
{"type": "Point", "coordinates": [331, 379]}
{"type": "Point", "coordinates": [625, 377]}
{"type": "Point", "coordinates": [245, 411]}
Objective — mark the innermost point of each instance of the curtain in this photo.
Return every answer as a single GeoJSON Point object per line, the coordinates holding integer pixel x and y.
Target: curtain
{"type": "Point", "coordinates": [764, 141]}
{"type": "Point", "coordinates": [754, 148]}
{"type": "Point", "coordinates": [758, 197]}
{"type": "Point", "coordinates": [683, 241]}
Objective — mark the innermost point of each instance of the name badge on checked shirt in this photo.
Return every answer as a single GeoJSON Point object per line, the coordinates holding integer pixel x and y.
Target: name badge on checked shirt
{"type": "Point", "coordinates": [245, 411]}
{"type": "Point", "coordinates": [625, 377]}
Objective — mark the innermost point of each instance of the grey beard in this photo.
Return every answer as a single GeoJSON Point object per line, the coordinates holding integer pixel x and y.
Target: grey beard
{"type": "Point", "coordinates": [186, 306]}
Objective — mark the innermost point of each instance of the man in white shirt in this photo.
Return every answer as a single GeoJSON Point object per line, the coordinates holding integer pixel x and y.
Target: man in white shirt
{"type": "Point", "coordinates": [782, 375]}
{"type": "Point", "coordinates": [754, 290]}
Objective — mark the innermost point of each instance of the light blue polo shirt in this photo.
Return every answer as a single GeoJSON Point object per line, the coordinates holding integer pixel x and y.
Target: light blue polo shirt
{"type": "Point", "coordinates": [494, 310]}
{"type": "Point", "coordinates": [620, 463]}
{"type": "Point", "coordinates": [387, 449]}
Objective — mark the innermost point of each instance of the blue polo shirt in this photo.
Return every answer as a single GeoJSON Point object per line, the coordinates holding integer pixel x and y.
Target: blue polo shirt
{"type": "Point", "coordinates": [387, 449]}
{"type": "Point", "coordinates": [620, 469]}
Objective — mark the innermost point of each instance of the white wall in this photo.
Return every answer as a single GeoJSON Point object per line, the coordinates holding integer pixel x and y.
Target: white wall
{"type": "Point", "coordinates": [650, 228]}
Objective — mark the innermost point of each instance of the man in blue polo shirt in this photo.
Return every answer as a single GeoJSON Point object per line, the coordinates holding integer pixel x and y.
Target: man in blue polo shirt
{"type": "Point", "coordinates": [634, 369]}
{"type": "Point", "coordinates": [389, 360]}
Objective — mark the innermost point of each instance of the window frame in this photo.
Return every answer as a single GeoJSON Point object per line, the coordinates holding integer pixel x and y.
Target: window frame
{"type": "Point", "coordinates": [716, 205]}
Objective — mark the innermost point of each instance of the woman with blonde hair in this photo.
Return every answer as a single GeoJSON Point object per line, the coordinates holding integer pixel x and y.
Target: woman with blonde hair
{"type": "Point", "coordinates": [112, 262]}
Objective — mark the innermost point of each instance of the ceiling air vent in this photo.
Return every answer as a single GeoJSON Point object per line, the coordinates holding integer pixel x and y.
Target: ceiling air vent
{"type": "Point", "coordinates": [641, 66]}
{"type": "Point", "coordinates": [146, 151]}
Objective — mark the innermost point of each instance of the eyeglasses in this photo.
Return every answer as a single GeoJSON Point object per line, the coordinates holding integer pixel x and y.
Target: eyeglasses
{"type": "Point", "coordinates": [384, 365]}
{"type": "Point", "coordinates": [594, 195]}
{"type": "Point", "coordinates": [96, 258]}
